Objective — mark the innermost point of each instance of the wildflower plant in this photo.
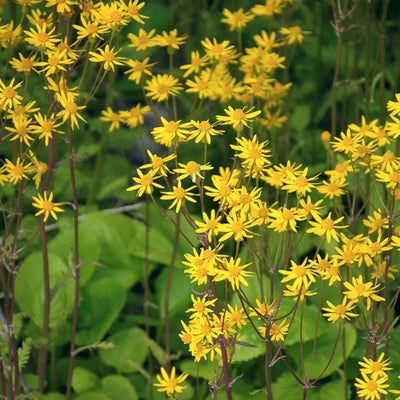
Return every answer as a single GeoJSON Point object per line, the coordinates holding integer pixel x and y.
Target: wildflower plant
{"type": "Point", "coordinates": [238, 271]}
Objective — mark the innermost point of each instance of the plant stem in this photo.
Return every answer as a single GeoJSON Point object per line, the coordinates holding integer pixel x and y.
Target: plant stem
{"type": "Point", "coordinates": [75, 268]}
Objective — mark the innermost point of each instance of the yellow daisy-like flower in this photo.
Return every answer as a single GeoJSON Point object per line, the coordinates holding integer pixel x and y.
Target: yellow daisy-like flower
{"type": "Point", "coordinates": [108, 57]}
{"type": "Point", "coordinates": [134, 116]}
{"type": "Point", "coordinates": [236, 20]}
{"type": "Point", "coordinates": [284, 219]}
{"type": "Point", "coordinates": [46, 206]}
{"type": "Point", "coordinates": [162, 86]}
{"type": "Point", "coordinates": [210, 225]}
{"type": "Point", "coordinates": [41, 38]}
{"type": "Point", "coordinates": [144, 183]}
{"type": "Point", "coordinates": [191, 169]}
{"type": "Point", "coordinates": [179, 195]}
{"type": "Point", "coordinates": [158, 164]}
{"type": "Point", "coordinates": [170, 39]}
{"type": "Point", "coordinates": [196, 62]}
{"type": "Point", "coordinates": [138, 69]}
{"type": "Point", "coordinates": [133, 10]}
{"type": "Point", "coordinates": [9, 97]}
{"type": "Point", "coordinates": [170, 383]}
{"type": "Point", "coordinates": [375, 368]}
{"type": "Point", "coordinates": [340, 312]}
{"type": "Point", "coordinates": [236, 226]}
{"type": "Point", "coordinates": [365, 290]}
{"type": "Point", "coordinates": [332, 188]}
{"type": "Point", "coordinates": [21, 130]}
{"type": "Point", "coordinates": [293, 34]}
{"type": "Point", "coordinates": [143, 40]}
{"type": "Point", "coordinates": [24, 64]}
{"type": "Point", "coordinates": [233, 272]}
{"type": "Point", "coordinates": [238, 117]}
{"type": "Point", "coordinates": [16, 172]}
{"type": "Point", "coordinates": [70, 109]}
{"type": "Point", "coordinates": [201, 307]}
{"type": "Point", "coordinates": [112, 117]}
{"type": "Point", "coordinates": [371, 388]}
{"type": "Point", "coordinates": [171, 132]}
{"type": "Point", "coordinates": [326, 227]}
{"type": "Point", "coordinates": [300, 274]}
{"type": "Point", "coordinates": [203, 131]}
{"type": "Point", "coordinates": [62, 6]}
{"type": "Point", "coordinates": [276, 332]}
{"type": "Point", "coordinates": [89, 29]}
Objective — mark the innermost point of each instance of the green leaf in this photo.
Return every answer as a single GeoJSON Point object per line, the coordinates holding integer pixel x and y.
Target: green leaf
{"type": "Point", "coordinates": [202, 369]}
{"type": "Point", "coordinates": [113, 233]}
{"type": "Point", "coordinates": [89, 250]}
{"type": "Point", "coordinates": [157, 351]}
{"type": "Point", "coordinates": [179, 294]}
{"type": "Point", "coordinates": [319, 358]}
{"type": "Point", "coordinates": [251, 347]}
{"type": "Point", "coordinates": [117, 387]}
{"type": "Point", "coordinates": [130, 350]}
{"type": "Point", "coordinates": [84, 380]}
{"type": "Point", "coordinates": [102, 302]}
{"type": "Point", "coordinates": [23, 353]}
{"type": "Point", "coordinates": [29, 289]}
{"type": "Point", "coordinates": [330, 390]}
{"type": "Point", "coordinates": [93, 396]}
{"type": "Point", "coordinates": [311, 320]}
{"type": "Point", "coordinates": [287, 388]}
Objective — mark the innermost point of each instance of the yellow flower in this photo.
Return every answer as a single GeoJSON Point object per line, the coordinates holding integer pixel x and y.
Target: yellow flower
{"type": "Point", "coordinates": [391, 178]}
{"type": "Point", "coordinates": [236, 226]}
{"type": "Point", "coordinates": [133, 10]}
{"type": "Point", "coordinates": [268, 9]}
{"type": "Point", "coordinates": [191, 169]}
{"type": "Point", "coordinates": [170, 384]}
{"type": "Point", "coordinates": [135, 116]}
{"type": "Point", "coordinates": [158, 164]}
{"type": "Point", "coordinates": [346, 143]}
{"type": "Point", "coordinates": [38, 168]}
{"type": "Point", "coordinates": [143, 40]}
{"type": "Point", "coordinates": [233, 272]}
{"type": "Point", "coordinates": [326, 227]}
{"type": "Point", "coordinates": [201, 266]}
{"type": "Point", "coordinates": [293, 34]}
{"type": "Point", "coordinates": [144, 183]}
{"type": "Point", "coordinates": [46, 206]}
{"type": "Point", "coordinates": [284, 219]}
{"type": "Point", "coordinates": [370, 388]}
{"type": "Point", "coordinates": [56, 61]}
{"type": "Point", "coordinates": [62, 6]}
{"type": "Point", "coordinates": [162, 87]}
{"type": "Point", "coordinates": [170, 39]}
{"type": "Point", "coordinates": [112, 117]}
{"type": "Point", "coordinates": [375, 368]}
{"type": "Point", "coordinates": [42, 38]}
{"type": "Point", "coordinates": [252, 152]}
{"type": "Point", "coordinates": [359, 289]}
{"type": "Point", "coordinates": [299, 293]}
{"type": "Point", "coordinates": [24, 64]}
{"type": "Point", "coordinates": [299, 183]}
{"type": "Point", "coordinates": [238, 117]}
{"type": "Point", "coordinates": [171, 132]}
{"type": "Point", "coordinates": [196, 62]}
{"type": "Point", "coordinates": [112, 14]}
{"type": "Point", "coordinates": [301, 274]}
{"type": "Point", "coordinates": [210, 225]}
{"type": "Point", "coordinates": [70, 109]}
{"type": "Point", "coordinates": [203, 131]}
{"type": "Point", "coordinates": [394, 106]}
{"type": "Point", "coordinates": [179, 195]}
{"type": "Point", "coordinates": [236, 316]}
{"type": "Point", "coordinates": [108, 57]}
{"type": "Point", "coordinates": [9, 97]}
{"type": "Point", "coordinates": [276, 332]}
{"type": "Point", "coordinates": [340, 312]}
{"type": "Point", "coordinates": [16, 172]}
{"type": "Point", "coordinates": [308, 208]}
{"type": "Point", "coordinates": [21, 130]}
{"type": "Point", "coordinates": [138, 69]}
{"type": "Point", "coordinates": [201, 307]}
{"type": "Point", "coordinates": [236, 20]}
{"type": "Point", "coordinates": [222, 52]}
{"type": "Point", "coordinates": [89, 29]}
{"type": "Point", "coordinates": [332, 188]}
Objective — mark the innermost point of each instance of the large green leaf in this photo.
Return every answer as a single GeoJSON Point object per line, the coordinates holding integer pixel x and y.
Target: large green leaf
{"type": "Point", "coordinates": [249, 346]}
{"type": "Point", "coordinates": [179, 294]}
{"type": "Point", "coordinates": [330, 390]}
{"type": "Point", "coordinates": [84, 380]}
{"type": "Point", "coordinates": [324, 352]}
{"type": "Point", "coordinates": [117, 387]}
{"type": "Point", "coordinates": [93, 396]}
{"type": "Point", "coordinates": [202, 369]}
{"type": "Point", "coordinates": [102, 302]}
{"type": "Point", "coordinates": [29, 289]}
{"type": "Point", "coordinates": [89, 250]}
{"type": "Point", "coordinates": [309, 320]}
{"type": "Point", "coordinates": [114, 233]}
{"type": "Point", "coordinates": [129, 353]}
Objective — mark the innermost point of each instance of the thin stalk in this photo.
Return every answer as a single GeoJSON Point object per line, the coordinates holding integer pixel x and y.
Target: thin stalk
{"type": "Point", "coordinates": [382, 61]}
{"type": "Point", "coordinates": [75, 268]}
{"type": "Point", "coordinates": [42, 367]}
{"type": "Point", "coordinates": [171, 267]}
